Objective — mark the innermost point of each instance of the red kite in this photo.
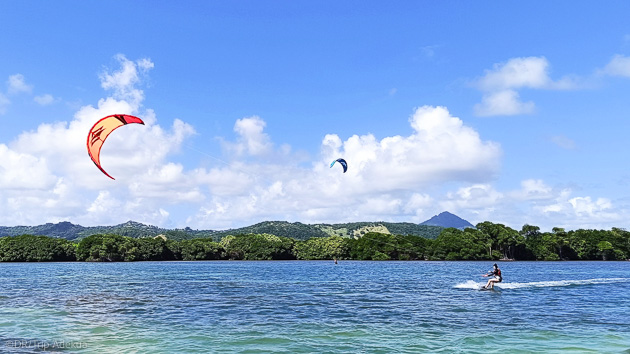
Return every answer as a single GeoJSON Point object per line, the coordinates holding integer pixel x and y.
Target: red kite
{"type": "Point", "coordinates": [101, 130]}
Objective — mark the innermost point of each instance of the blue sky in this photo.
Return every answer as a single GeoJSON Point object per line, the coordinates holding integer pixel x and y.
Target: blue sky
{"type": "Point", "coordinates": [504, 111]}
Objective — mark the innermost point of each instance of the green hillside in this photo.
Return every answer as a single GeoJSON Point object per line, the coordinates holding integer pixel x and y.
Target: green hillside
{"type": "Point", "coordinates": [298, 231]}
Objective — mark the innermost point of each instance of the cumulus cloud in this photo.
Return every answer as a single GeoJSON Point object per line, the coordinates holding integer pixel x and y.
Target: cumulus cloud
{"type": "Point", "coordinates": [385, 177]}
{"type": "Point", "coordinates": [17, 84]}
{"type": "Point", "coordinates": [500, 85]}
{"type": "Point", "coordinates": [440, 148]}
{"type": "Point", "coordinates": [251, 138]}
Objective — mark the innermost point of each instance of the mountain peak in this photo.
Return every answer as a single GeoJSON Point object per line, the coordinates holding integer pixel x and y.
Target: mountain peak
{"type": "Point", "coordinates": [446, 219]}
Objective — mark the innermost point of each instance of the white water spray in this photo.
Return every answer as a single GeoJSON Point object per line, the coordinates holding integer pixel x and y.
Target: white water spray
{"type": "Point", "coordinates": [471, 284]}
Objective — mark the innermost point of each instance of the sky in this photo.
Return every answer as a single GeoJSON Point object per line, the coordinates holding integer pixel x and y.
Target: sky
{"type": "Point", "coordinates": [505, 111]}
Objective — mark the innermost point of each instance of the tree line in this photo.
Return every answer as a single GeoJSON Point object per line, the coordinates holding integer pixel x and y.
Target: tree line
{"type": "Point", "coordinates": [487, 241]}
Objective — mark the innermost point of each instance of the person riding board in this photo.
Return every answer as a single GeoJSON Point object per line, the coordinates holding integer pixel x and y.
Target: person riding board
{"type": "Point", "coordinates": [496, 277]}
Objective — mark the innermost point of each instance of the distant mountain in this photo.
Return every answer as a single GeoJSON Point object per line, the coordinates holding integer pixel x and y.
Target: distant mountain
{"type": "Point", "coordinates": [446, 219]}
{"type": "Point", "coordinates": [295, 230]}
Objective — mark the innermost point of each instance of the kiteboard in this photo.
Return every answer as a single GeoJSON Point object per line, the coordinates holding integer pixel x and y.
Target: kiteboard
{"type": "Point", "coordinates": [487, 289]}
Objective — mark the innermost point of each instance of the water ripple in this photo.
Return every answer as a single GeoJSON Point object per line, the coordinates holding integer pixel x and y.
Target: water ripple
{"type": "Point", "coordinates": [296, 307]}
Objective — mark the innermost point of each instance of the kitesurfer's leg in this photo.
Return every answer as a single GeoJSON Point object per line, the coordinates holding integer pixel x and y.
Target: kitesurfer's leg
{"type": "Point", "coordinates": [491, 283]}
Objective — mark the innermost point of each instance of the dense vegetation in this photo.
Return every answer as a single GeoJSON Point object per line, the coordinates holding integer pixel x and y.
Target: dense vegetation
{"type": "Point", "coordinates": [487, 241]}
{"type": "Point", "coordinates": [29, 248]}
{"type": "Point", "coordinates": [496, 241]}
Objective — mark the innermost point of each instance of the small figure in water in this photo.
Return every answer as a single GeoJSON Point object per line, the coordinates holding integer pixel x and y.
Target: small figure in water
{"type": "Point", "coordinates": [335, 260]}
{"type": "Point", "coordinates": [496, 277]}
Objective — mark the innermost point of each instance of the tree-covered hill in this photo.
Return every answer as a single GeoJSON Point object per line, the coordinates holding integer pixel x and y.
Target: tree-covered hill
{"type": "Point", "coordinates": [294, 230]}
{"type": "Point", "coordinates": [358, 229]}
{"type": "Point", "coordinates": [64, 229]}
{"type": "Point", "coordinates": [69, 231]}
{"type": "Point", "coordinates": [298, 231]}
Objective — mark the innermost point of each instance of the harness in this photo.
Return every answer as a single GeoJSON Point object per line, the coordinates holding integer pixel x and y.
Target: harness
{"type": "Point", "coordinates": [497, 274]}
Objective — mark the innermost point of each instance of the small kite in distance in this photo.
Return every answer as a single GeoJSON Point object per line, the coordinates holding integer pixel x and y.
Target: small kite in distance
{"type": "Point", "coordinates": [342, 162]}
{"type": "Point", "coordinates": [101, 130]}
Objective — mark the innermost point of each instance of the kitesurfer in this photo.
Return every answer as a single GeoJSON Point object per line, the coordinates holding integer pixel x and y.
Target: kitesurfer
{"type": "Point", "coordinates": [495, 273]}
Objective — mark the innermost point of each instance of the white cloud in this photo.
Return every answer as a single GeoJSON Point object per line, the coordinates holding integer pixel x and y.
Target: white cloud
{"type": "Point", "coordinates": [581, 211]}
{"type": "Point", "coordinates": [417, 206]}
{"type": "Point", "coordinates": [104, 203]}
{"type": "Point", "coordinates": [500, 84]}
{"type": "Point", "coordinates": [417, 201]}
{"type": "Point", "coordinates": [381, 173]}
{"type": "Point", "coordinates": [529, 72]}
{"type": "Point", "coordinates": [251, 138]}
{"type": "Point", "coordinates": [534, 203]}
{"type": "Point", "coordinates": [440, 148]}
{"type": "Point", "coordinates": [44, 100]}
{"type": "Point", "coordinates": [619, 65]}
{"type": "Point", "coordinates": [167, 182]}
{"type": "Point", "coordinates": [22, 171]}
{"type": "Point", "coordinates": [505, 103]}
{"type": "Point", "coordinates": [17, 84]}
{"type": "Point", "coordinates": [583, 206]}
{"type": "Point", "coordinates": [123, 82]}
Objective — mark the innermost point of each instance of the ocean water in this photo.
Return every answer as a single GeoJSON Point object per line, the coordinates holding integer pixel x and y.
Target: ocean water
{"type": "Point", "coordinates": [313, 306]}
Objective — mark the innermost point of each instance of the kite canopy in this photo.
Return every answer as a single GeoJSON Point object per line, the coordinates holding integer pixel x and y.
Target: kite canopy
{"type": "Point", "coordinates": [101, 130]}
{"type": "Point", "coordinates": [342, 162]}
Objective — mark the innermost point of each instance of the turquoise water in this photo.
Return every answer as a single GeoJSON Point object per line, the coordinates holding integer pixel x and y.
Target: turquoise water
{"type": "Point", "coordinates": [302, 306]}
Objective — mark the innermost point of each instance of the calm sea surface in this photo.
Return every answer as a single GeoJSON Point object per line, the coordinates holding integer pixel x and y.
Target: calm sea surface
{"type": "Point", "coordinates": [302, 306]}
